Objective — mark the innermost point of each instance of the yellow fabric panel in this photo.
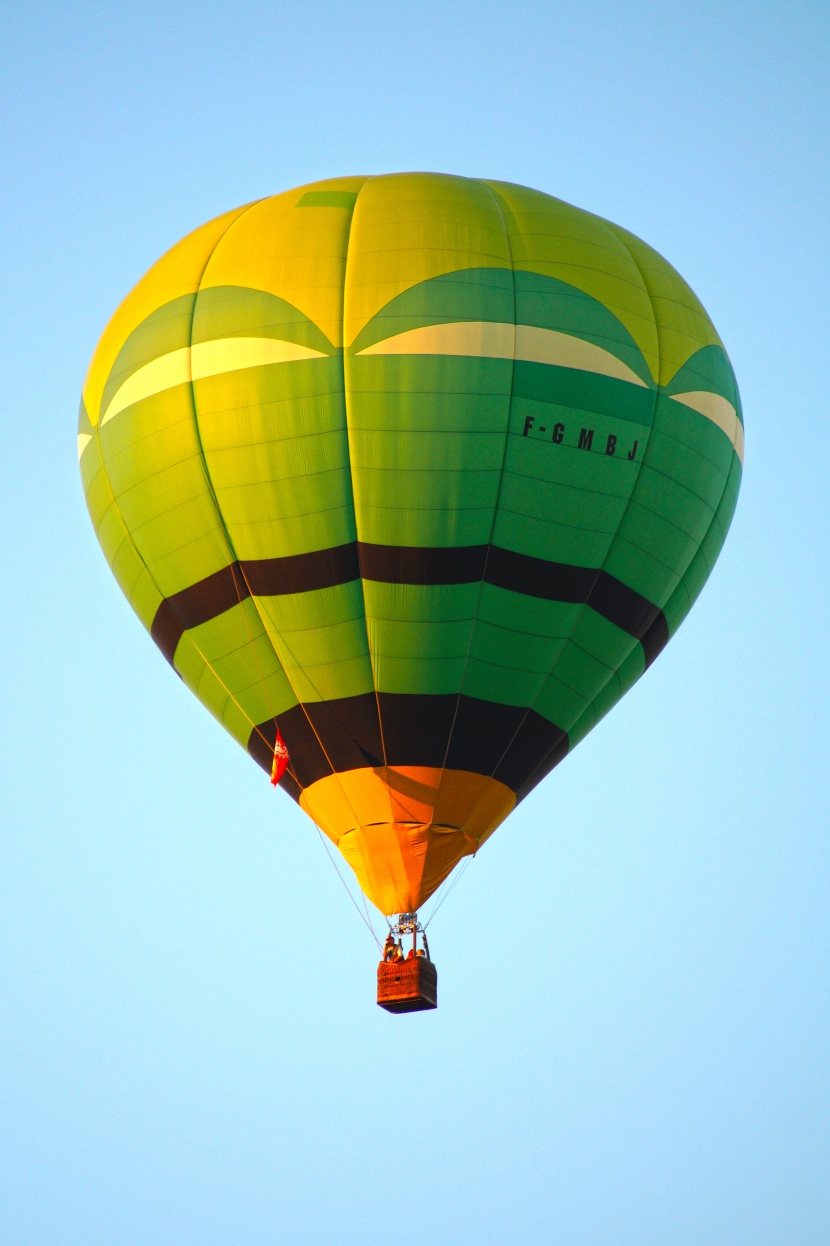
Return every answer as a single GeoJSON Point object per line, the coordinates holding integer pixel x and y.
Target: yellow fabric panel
{"type": "Point", "coordinates": [683, 325]}
{"type": "Point", "coordinates": [555, 239]}
{"type": "Point", "coordinates": [196, 363]}
{"type": "Point", "coordinates": [408, 228]}
{"type": "Point", "coordinates": [562, 349]}
{"type": "Point", "coordinates": [482, 339]}
{"type": "Point", "coordinates": [178, 272]}
{"type": "Point", "coordinates": [299, 254]}
{"type": "Point", "coordinates": [487, 339]}
{"type": "Point", "coordinates": [402, 829]}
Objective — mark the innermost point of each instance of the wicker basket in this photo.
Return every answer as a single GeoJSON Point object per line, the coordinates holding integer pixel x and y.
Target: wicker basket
{"type": "Point", "coordinates": [407, 985]}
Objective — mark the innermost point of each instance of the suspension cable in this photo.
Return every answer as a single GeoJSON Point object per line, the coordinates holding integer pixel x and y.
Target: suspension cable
{"type": "Point", "coordinates": [467, 863]}
{"type": "Point", "coordinates": [364, 918]}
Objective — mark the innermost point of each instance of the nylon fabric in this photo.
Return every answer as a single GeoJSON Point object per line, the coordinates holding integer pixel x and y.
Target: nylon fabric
{"type": "Point", "coordinates": [422, 469]}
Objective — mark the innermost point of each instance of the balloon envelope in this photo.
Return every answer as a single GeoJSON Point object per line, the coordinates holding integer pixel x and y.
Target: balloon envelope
{"type": "Point", "coordinates": [420, 470]}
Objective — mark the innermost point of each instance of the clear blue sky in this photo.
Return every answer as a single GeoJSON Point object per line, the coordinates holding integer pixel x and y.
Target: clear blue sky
{"type": "Point", "coordinates": [632, 1042]}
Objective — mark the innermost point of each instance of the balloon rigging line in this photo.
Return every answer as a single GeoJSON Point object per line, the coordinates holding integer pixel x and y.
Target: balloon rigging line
{"type": "Point", "coordinates": [467, 863]}
{"type": "Point", "coordinates": [364, 919]}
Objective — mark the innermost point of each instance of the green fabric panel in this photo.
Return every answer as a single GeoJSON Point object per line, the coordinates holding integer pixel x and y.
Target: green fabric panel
{"type": "Point", "coordinates": [403, 638]}
{"type": "Point", "coordinates": [417, 657]}
{"type": "Point", "coordinates": [616, 687]}
{"type": "Point", "coordinates": [320, 640]}
{"type": "Point", "coordinates": [429, 393]}
{"type": "Point", "coordinates": [534, 615]}
{"type": "Point", "coordinates": [601, 639]}
{"type": "Point", "coordinates": [700, 568]}
{"type": "Point", "coordinates": [439, 674]}
{"type": "Point", "coordinates": [420, 603]}
{"type": "Point", "coordinates": [666, 549]}
{"type": "Point", "coordinates": [585, 392]}
{"type": "Point", "coordinates": [413, 485]}
{"type": "Point", "coordinates": [236, 311]}
{"type": "Point", "coordinates": [535, 500]}
{"type": "Point", "coordinates": [682, 324]}
{"type": "Point", "coordinates": [583, 673]}
{"type": "Point", "coordinates": [328, 199]}
{"type": "Point", "coordinates": [677, 492]}
{"type": "Point", "coordinates": [239, 693]}
{"type": "Point", "coordinates": [280, 472]}
{"type": "Point", "coordinates": [275, 445]}
{"type": "Point", "coordinates": [557, 501]}
{"type": "Point", "coordinates": [708, 369]}
{"type": "Point", "coordinates": [417, 456]}
{"type": "Point", "coordinates": [514, 648]}
{"type": "Point", "coordinates": [680, 462]}
{"type": "Point", "coordinates": [501, 684]}
{"type": "Point", "coordinates": [471, 294]}
{"type": "Point", "coordinates": [672, 501]}
{"type": "Point", "coordinates": [415, 450]}
{"type": "Point", "coordinates": [236, 648]}
{"type": "Point", "coordinates": [153, 461]}
{"type": "Point", "coordinates": [397, 508]}
{"type": "Point", "coordinates": [509, 664]}
{"type": "Point", "coordinates": [694, 432]}
{"type": "Point", "coordinates": [560, 704]}
{"type": "Point", "coordinates": [553, 304]}
{"type": "Point", "coordinates": [119, 551]}
{"type": "Point", "coordinates": [165, 330]}
{"type": "Point", "coordinates": [557, 541]}
{"type": "Point", "coordinates": [553, 238]}
{"type": "Point", "coordinates": [130, 572]}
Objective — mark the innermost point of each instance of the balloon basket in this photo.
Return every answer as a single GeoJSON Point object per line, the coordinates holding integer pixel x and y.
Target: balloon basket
{"type": "Point", "coordinates": [408, 985]}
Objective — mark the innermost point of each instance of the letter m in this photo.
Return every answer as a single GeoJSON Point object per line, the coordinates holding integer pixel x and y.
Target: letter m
{"type": "Point", "coordinates": [586, 437]}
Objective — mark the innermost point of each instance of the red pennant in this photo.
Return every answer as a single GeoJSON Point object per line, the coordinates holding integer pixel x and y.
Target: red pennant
{"type": "Point", "coordinates": [280, 760]}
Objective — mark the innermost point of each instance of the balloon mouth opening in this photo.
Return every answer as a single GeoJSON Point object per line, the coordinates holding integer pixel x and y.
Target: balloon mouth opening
{"type": "Point", "coordinates": [404, 829]}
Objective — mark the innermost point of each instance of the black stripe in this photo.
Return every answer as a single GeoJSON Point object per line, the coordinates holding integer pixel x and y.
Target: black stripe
{"type": "Point", "coordinates": [266, 577]}
{"type": "Point", "coordinates": [195, 605]}
{"type": "Point", "coordinates": [656, 638]}
{"type": "Point", "coordinates": [418, 564]}
{"type": "Point", "coordinates": [536, 577]}
{"type": "Point", "coordinates": [303, 573]}
{"type": "Point", "coordinates": [509, 742]}
{"type": "Point", "coordinates": [392, 564]}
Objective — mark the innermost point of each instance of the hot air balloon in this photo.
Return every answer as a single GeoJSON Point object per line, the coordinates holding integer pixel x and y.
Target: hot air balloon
{"type": "Point", "coordinates": [410, 478]}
